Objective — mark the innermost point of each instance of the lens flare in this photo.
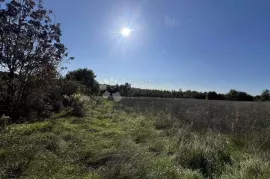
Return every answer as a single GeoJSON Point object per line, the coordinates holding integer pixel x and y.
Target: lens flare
{"type": "Point", "coordinates": [125, 32]}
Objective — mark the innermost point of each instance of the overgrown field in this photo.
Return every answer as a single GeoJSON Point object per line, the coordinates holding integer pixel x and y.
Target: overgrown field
{"type": "Point", "coordinates": [143, 139]}
{"type": "Point", "coordinates": [222, 116]}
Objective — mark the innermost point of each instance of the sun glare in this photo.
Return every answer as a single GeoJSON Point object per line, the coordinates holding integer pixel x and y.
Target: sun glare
{"type": "Point", "coordinates": [125, 32]}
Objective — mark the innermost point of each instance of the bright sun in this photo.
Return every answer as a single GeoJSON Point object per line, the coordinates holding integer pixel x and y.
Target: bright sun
{"type": "Point", "coordinates": [125, 32]}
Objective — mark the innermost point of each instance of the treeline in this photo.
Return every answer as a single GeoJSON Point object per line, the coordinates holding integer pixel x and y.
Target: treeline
{"type": "Point", "coordinates": [233, 95]}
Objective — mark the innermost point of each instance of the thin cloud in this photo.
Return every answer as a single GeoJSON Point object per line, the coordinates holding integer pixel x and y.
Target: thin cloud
{"type": "Point", "coordinates": [171, 22]}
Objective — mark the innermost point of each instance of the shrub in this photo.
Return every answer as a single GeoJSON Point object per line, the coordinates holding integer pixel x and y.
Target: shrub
{"type": "Point", "coordinates": [66, 101]}
{"type": "Point", "coordinates": [69, 87]}
{"type": "Point", "coordinates": [38, 108]}
{"type": "Point", "coordinates": [4, 121]}
{"type": "Point", "coordinates": [97, 100]}
{"type": "Point", "coordinates": [78, 102]}
{"type": "Point", "coordinates": [58, 106]}
{"type": "Point", "coordinates": [64, 87]}
{"type": "Point", "coordinates": [78, 111]}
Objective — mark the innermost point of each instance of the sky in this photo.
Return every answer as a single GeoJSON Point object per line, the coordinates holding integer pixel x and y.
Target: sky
{"type": "Point", "coordinates": [201, 45]}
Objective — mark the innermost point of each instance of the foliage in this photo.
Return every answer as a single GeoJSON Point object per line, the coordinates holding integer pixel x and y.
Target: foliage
{"type": "Point", "coordinates": [127, 91]}
{"type": "Point", "coordinates": [265, 96]}
{"type": "Point", "coordinates": [4, 120]}
{"type": "Point", "coordinates": [65, 87]}
{"type": "Point", "coordinates": [78, 102]}
{"type": "Point", "coordinates": [30, 53]}
{"type": "Point", "coordinates": [69, 87]}
{"type": "Point", "coordinates": [58, 106]}
{"type": "Point", "coordinates": [212, 95]}
{"type": "Point", "coordinates": [234, 95]}
{"type": "Point", "coordinates": [124, 89]}
{"type": "Point", "coordinates": [86, 77]}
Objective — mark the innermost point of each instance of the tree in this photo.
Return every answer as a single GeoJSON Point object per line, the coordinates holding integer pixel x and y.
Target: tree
{"type": "Point", "coordinates": [124, 89]}
{"type": "Point", "coordinates": [221, 97]}
{"type": "Point", "coordinates": [212, 95]}
{"type": "Point", "coordinates": [239, 96]}
{"type": "Point", "coordinates": [232, 95]}
{"type": "Point", "coordinates": [257, 98]}
{"type": "Point", "coordinates": [243, 96]}
{"type": "Point", "coordinates": [86, 77]}
{"type": "Point", "coordinates": [265, 95]}
{"type": "Point", "coordinates": [30, 53]}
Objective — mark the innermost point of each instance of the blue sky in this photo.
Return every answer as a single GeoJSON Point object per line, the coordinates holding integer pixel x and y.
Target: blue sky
{"type": "Point", "coordinates": [190, 44]}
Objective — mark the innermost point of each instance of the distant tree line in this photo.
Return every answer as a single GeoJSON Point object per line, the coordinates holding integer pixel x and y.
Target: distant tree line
{"type": "Point", "coordinates": [233, 95]}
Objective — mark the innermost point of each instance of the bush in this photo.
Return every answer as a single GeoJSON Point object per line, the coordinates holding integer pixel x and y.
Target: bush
{"type": "Point", "coordinates": [60, 93]}
{"type": "Point", "coordinates": [64, 87]}
{"type": "Point", "coordinates": [78, 111]}
{"type": "Point", "coordinates": [4, 121]}
{"type": "Point", "coordinates": [78, 102]}
{"type": "Point", "coordinates": [38, 108]}
{"type": "Point", "coordinates": [69, 87]}
{"type": "Point", "coordinates": [58, 106]}
{"type": "Point", "coordinates": [97, 99]}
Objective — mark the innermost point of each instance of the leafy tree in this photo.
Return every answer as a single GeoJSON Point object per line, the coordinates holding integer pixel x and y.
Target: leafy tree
{"type": "Point", "coordinates": [86, 77]}
{"type": "Point", "coordinates": [243, 96]}
{"type": "Point", "coordinates": [30, 53]}
{"type": "Point", "coordinates": [221, 97]}
{"type": "Point", "coordinates": [232, 95]}
{"type": "Point", "coordinates": [239, 96]}
{"type": "Point", "coordinates": [212, 95]}
{"type": "Point", "coordinates": [265, 95]}
{"type": "Point", "coordinates": [124, 89]}
{"type": "Point", "coordinates": [257, 98]}
{"type": "Point", "coordinates": [113, 88]}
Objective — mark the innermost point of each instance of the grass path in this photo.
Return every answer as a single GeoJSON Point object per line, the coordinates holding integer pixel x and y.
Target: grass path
{"type": "Point", "coordinates": [111, 143]}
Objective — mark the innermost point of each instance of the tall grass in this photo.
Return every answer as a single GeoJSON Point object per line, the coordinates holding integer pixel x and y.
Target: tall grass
{"type": "Point", "coordinates": [222, 116]}
{"type": "Point", "coordinates": [214, 137]}
{"type": "Point", "coordinates": [135, 140]}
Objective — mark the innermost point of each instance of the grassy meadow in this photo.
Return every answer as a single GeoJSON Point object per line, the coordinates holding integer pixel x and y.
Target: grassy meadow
{"type": "Point", "coordinates": [143, 138]}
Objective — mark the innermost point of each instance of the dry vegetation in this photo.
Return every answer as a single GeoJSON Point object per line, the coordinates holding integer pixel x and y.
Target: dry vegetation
{"type": "Point", "coordinates": [222, 116]}
{"type": "Point", "coordinates": [142, 139]}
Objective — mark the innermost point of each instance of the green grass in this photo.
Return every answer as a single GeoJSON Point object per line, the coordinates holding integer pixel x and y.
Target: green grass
{"type": "Point", "coordinates": [116, 144]}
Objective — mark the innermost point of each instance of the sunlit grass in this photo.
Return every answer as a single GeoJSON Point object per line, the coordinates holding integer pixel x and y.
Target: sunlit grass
{"type": "Point", "coordinates": [115, 143]}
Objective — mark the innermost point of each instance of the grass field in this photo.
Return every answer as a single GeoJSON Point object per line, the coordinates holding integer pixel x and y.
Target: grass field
{"type": "Point", "coordinates": [143, 138]}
